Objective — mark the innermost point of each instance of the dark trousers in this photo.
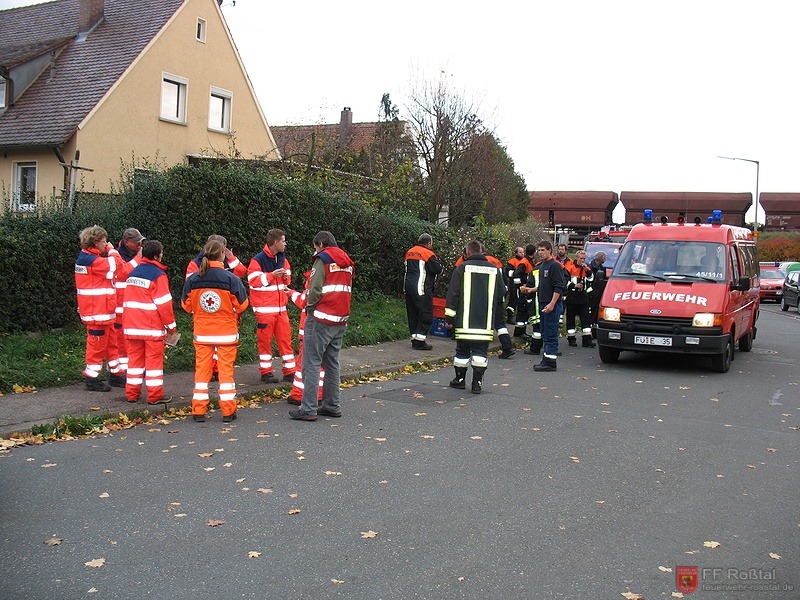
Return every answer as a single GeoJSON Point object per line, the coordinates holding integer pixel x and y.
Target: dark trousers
{"type": "Point", "coordinates": [549, 324]}
{"type": "Point", "coordinates": [419, 310]}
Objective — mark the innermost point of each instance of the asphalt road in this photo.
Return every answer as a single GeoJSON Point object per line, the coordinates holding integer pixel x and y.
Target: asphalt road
{"type": "Point", "coordinates": [589, 483]}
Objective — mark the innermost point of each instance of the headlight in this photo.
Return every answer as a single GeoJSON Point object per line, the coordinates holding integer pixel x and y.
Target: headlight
{"type": "Point", "coordinates": [611, 314]}
{"type": "Point", "coordinates": [707, 320]}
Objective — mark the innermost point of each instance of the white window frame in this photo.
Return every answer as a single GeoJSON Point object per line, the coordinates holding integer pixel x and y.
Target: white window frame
{"type": "Point", "coordinates": [3, 88]}
{"type": "Point", "coordinates": [17, 183]}
{"type": "Point", "coordinates": [227, 109]}
{"type": "Point", "coordinates": [200, 31]}
{"type": "Point", "coordinates": [179, 116]}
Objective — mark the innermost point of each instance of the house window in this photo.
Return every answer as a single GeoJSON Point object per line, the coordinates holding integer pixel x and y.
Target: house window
{"type": "Point", "coordinates": [25, 186]}
{"type": "Point", "coordinates": [219, 110]}
{"type": "Point", "coordinates": [201, 30]}
{"type": "Point", "coordinates": [173, 98]}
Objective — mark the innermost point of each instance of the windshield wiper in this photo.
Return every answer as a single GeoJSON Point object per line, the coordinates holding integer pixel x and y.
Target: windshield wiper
{"type": "Point", "coordinates": [638, 275]}
{"type": "Point", "coordinates": [704, 278]}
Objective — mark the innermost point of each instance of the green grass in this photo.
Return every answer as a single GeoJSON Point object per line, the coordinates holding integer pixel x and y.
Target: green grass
{"type": "Point", "coordinates": [57, 358]}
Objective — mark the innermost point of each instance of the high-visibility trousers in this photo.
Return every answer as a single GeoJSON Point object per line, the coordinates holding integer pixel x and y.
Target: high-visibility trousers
{"type": "Point", "coordinates": [145, 366]}
{"type": "Point", "coordinates": [101, 345]}
{"type": "Point", "coordinates": [226, 357]}
{"type": "Point", "coordinates": [279, 327]}
{"type": "Point", "coordinates": [122, 348]}
{"type": "Point", "coordinates": [297, 384]}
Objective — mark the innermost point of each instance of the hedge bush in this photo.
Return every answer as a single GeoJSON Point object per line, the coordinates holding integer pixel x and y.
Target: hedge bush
{"type": "Point", "coordinates": [182, 206]}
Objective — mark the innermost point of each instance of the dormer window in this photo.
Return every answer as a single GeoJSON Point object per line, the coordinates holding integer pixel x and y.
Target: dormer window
{"type": "Point", "coordinates": [201, 30]}
{"type": "Point", "coordinates": [2, 94]}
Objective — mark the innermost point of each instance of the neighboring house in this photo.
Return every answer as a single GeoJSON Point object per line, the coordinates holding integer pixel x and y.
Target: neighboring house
{"type": "Point", "coordinates": [113, 82]}
{"type": "Point", "coordinates": [303, 142]}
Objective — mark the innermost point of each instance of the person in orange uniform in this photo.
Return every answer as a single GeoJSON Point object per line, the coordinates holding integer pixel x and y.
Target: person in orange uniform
{"type": "Point", "coordinates": [300, 300]}
{"type": "Point", "coordinates": [95, 268]}
{"type": "Point", "coordinates": [579, 274]}
{"type": "Point", "coordinates": [268, 275]}
{"type": "Point", "coordinates": [147, 319]}
{"type": "Point", "coordinates": [231, 263]}
{"type": "Point", "coordinates": [215, 297]}
{"type": "Point", "coordinates": [130, 250]}
{"type": "Point", "coordinates": [421, 268]}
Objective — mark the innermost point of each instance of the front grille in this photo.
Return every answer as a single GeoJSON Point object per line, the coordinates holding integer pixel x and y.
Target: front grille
{"type": "Point", "coordinates": [647, 324]}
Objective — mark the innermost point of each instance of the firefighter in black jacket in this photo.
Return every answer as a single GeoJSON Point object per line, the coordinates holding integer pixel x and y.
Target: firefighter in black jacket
{"type": "Point", "coordinates": [577, 301]}
{"type": "Point", "coordinates": [474, 299]}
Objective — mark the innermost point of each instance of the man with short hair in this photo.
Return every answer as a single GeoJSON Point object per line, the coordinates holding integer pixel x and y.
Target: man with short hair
{"type": "Point", "coordinates": [421, 268]}
{"type": "Point", "coordinates": [474, 300]}
{"type": "Point", "coordinates": [562, 255]}
{"type": "Point", "coordinates": [550, 289]}
{"type": "Point", "coordinates": [268, 275]}
{"type": "Point", "coordinates": [577, 300]}
{"type": "Point", "coordinates": [130, 251]}
{"type": "Point", "coordinates": [327, 313]}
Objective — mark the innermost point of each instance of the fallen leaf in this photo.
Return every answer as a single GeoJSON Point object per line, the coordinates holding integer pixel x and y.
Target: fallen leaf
{"type": "Point", "coordinates": [711, 544]}
{"type": "Point", "coordinates": [299, 451]}
{"type": "Point", "coordinates": [772, 450]}
{"type": "Point", "coordinates": [476, 437]}
{"type": "Point", "coordinates": [428, 437]}
{"type": "Point", "coordinates": [214, 523]}
{"type": "Point", "coordinates": [301, 458]}
{"type": "Point", "coordinates": [180, 515]}
{"type": "Point", "coordinates": [265, 490]}
{"type": "Point", "coordinates": [207, 469]}
{"type": "Point", "coordinates": [240, 480]}
{"type": "Point", "coordinates": [94, 408]}
{"type": "Point", "coordinates": [421, 414]}
{"type": "Point", "coordinates": [771, 555]}
{"type": "Point", "coordinates": [368, 534]}
{"type": "Point", "coordinates": [48, 465]}
{"type": "Point", "coordinates": [336, 581]}
{"type": "Point", "coordinates": [632, 595]}
{"type": "Point", "coordinates": [751, 466]}
{"type": "Point", "coordinates": [665, 569]}
{"type": "Point", "coordinates": [575, 459]}
{"type": "Point", "coordinates": [205, 454]}
{"type": "Point", "coordinates": [253, 554]}
{"type": "Point", "coordinates": [91, 591]}
{"type": "Point", "coordinates": [96, 563]}
{"type": "Point", "coordinates": [380, 439]}
{"type": "Point", "coordinates": [105, 495]}
{"type": "Point", "coordinates": [677, 595]}
{"type": "Point", "coordinates": [293, 511]}
{"type": "Point", "coordinates": [53, 541]}
{"type": "Point", "coordinates": [228, 465]}
{"type": "Point", "coordinates": [334, 473]}
{"type": "Point", "coordinates": [292, 495]}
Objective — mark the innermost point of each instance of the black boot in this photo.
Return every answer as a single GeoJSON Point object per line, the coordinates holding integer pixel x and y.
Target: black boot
{"type": "Point", "coordinates": [117, 380]}
{"type": "Point", "coordinates": [477, 379]}
{"type": "Point", "coordinates": [458, 382]}
{"type": "Point", "coordinates": [572, 341]}
{"type": "Point", "coordinates": [93, 384]}
{"type": "Point", "coordinates": [547, 364]}
{"type": "Point", "coordinates": [587, 341]}
{"type": "Point", "coordinates": [421, 345]}
{"type": "Point", "coordinates": [507, 345]}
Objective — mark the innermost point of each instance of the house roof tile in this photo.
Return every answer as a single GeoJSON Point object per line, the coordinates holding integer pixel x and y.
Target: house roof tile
{"type": "Point", "coordinates": [50, 110]}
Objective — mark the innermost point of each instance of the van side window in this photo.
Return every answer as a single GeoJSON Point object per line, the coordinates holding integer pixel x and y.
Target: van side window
{"type": "Point", "coordinates": [735, 268]}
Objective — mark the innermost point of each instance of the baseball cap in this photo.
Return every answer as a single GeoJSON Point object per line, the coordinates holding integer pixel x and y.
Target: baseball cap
{"type": "Point", "coordinates": [132, 235]}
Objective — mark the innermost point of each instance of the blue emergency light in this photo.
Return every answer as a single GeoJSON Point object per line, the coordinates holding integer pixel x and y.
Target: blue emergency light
{"type": "Point", "coordinates": [648, 215]}
{"type": "Point", "coordinates": [716, 217]}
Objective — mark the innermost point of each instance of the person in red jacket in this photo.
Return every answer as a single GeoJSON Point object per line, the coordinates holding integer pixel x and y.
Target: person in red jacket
{"type": "Point", "coordinates": [147, 319]}
{"type": "Point", "coordinates": [328, 310]}
{"type": "Point", "coordinates": [268, 275]}
{"type": "Point", "coordinates": [130, 250]}
{"type": "Point", "coordinates": [300, 300]}
{"type": "Point", "coordinates": [215, 297]}
{"type": "Point", "coordinates": [95, 268]}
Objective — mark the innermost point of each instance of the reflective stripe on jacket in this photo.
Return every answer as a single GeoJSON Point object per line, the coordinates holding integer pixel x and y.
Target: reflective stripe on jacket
{"type": "Point", "coordinates": [148, 311]}
{"type": "Point", "coordinates": [215, 299]}
{"type": "Point", "coordinates": [267, 294]}
{"type": "Point", "coordinates": [94, 284]}
{"type": "Point", "coordinates": [333, 307]}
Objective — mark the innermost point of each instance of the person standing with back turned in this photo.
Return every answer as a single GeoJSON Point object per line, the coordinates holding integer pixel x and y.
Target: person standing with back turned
{"type": "Point", "coordinates": [215, 297]}
{"type": "Point", "coordinates": [327, 313]}
{"type": "Point", "coordinates": [422, 267]}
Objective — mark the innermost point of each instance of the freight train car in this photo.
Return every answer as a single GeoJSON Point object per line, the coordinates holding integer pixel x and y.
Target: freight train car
{"type": "Point", "coordinates": [581, 212]}
{"type": "Point", "coordinates": [689, 204]}
{"type": "Point", "coordinates": [782, 211]}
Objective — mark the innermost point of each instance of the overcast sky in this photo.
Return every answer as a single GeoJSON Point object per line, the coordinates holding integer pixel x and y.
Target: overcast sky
{"type": "Point", "coordinates": [586, 95]}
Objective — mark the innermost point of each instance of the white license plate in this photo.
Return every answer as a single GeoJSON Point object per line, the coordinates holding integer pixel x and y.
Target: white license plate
{"type": "Point", "coordinates": [652, 341]}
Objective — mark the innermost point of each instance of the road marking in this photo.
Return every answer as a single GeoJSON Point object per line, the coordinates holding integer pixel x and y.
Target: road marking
{"type": "Point", "coordinates": [774, 400]}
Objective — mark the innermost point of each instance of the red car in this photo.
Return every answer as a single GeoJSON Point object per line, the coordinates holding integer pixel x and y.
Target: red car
{"type": "Point", "coordinates": [771, 283]}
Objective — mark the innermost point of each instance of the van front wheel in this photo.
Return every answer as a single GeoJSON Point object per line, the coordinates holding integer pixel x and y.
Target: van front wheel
{"type": "Point", "coordinates": [608, 355]}
{"type": "Point", "coordinates": [721, 363]}
{"type": "Point", "coordinates": [746, 341]}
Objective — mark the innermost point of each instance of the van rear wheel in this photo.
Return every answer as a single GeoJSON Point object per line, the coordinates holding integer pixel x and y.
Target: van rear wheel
{"type": "Point", "coordinates": [721, 363]}
{"type": "Point", "coordinates": [608, 355]}
{"type": "Point", "coordinates": [746, 341]}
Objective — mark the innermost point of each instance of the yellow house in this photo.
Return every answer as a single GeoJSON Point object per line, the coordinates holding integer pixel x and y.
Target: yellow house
{"type": "Point", "coordinates": [89, 85]}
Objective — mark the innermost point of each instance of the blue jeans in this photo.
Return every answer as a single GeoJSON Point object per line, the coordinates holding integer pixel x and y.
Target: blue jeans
{"type": "Point", "coordinates": [549, 325]}
{"type": "Point", "coordinates": [321, 345]}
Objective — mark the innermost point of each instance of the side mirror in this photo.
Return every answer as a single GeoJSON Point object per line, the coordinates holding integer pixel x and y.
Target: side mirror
{"type": "Point", "coordinates": [743, 285]}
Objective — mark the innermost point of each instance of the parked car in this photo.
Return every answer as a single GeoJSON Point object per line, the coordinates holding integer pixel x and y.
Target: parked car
{"type": "Point", "coordinates": [790, 265]}
{"type": "Point", "coordinates": [772, 279]}
{"type": "Point", "coordinates": [791, 294]}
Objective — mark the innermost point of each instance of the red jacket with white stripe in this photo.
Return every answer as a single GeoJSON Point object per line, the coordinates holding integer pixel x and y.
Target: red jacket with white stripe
{"type": "Point", "coordinates": [148, 312]}
{"type": "Point", "coordinates": [333, 294]}
{"type": "Point", "coordinates": [267, 295]}
{"type": "Point", "coordinates": [94, 283]}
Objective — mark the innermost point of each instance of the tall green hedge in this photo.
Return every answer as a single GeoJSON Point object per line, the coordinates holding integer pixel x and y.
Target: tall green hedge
{"type": "Point", "coordinates": [181, 207]}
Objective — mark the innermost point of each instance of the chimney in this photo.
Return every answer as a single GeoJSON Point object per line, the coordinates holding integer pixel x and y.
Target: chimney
{"type": "Point", "coordinates": [90, 15]}
{"type": "Point", "coordinates": [345, 127]}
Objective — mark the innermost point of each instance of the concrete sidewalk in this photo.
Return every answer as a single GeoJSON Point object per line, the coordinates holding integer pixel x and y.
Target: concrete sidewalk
{"type": "Point", "coordinates": [20, 412]}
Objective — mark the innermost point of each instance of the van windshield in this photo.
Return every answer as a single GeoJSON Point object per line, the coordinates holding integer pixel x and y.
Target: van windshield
{"type": "Point", "coordinates": [611, 251]}
{"type": "Point", "coordinates": [672, 260]}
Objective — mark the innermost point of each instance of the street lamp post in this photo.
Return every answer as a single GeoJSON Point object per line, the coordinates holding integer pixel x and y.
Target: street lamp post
{"type": "Point", "coordinates": [750, 160]}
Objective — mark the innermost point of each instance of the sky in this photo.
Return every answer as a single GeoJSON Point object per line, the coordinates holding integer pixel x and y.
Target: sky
{"type": "Point", "coordinates": [607, 95]}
